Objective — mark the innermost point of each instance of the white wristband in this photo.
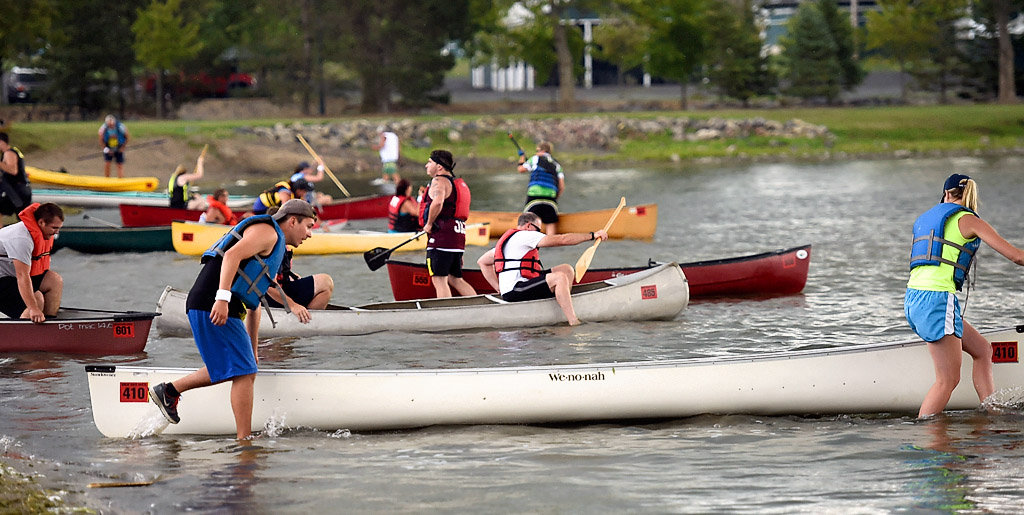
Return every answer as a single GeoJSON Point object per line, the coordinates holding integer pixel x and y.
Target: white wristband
{"type": "Point", "coordinates": [319, 168]}
{"type": "Point", "coordinates": [224, 295]}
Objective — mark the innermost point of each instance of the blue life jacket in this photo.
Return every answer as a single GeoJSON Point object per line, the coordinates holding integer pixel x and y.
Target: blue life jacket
{"type": "Point", "coordinates": [544, 174]}
{"type": "Point", "coordinates": [256, 274]}
{"type": "Point", "coordinates": [929, 237]}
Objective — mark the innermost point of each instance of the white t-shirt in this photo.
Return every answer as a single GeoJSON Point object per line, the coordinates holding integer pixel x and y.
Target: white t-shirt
{"type": "Point", "coordinates": [516, 247]}
{"type": "Point", "coordinates": [389, 151]}
{"type": "Point", "coordinates": [16, 243]}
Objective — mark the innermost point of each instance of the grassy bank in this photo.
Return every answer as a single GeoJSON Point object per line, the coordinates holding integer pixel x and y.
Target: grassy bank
{"type": "Point", "coordinates": [857, 131]}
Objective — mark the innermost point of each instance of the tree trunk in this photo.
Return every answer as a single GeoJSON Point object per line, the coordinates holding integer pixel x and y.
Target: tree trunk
{"type": "Point", "coordinates": [1007, 87]}
{"type": "Point", "coordinates": [160, 95]}
{"type": "Point", "coordinates": [904, 93]}
{"type": "Point", "coordinates": [566, 75]}
{"type": "Point", "coordinates": [307, 57]}
{"type": "Point", "coordinates": [375, 93]}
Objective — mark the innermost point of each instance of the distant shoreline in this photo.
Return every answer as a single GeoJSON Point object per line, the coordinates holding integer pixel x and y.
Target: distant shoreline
{"type": "Point", "coordinates": [893, 132]}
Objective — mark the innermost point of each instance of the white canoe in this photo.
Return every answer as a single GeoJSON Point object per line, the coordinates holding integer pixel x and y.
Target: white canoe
{"type": "Point", "coordinates": [875, 378]}
{"type": "Point", "coordinates": [659, 293]}
{"type": "Point", "coordinates": [110, 199]}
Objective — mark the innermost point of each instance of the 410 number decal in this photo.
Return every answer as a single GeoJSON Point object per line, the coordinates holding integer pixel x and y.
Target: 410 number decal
{"type": "Point", "coordinates": [134, 392]}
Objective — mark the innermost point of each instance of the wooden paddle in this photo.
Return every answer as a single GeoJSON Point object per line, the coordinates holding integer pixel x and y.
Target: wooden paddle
{"type": "Point", "coordinates": [100, 221]}
{"type": "Point", "coordinates": [134, 146]}
{"type": "Point", "coordinates": [326, 168]}
{"type": "Point", "coordinates": [121, 484]}
{"type": "Point", "coordinates": [584, 262]}
{"type": "Point", "coordinates": [516, 143]}
{"type": "Point", "coordinates": [376, 257]}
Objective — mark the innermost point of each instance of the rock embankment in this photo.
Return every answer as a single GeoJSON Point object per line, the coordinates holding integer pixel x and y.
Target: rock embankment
{"type": "Point", "coordinates": [585, 133]}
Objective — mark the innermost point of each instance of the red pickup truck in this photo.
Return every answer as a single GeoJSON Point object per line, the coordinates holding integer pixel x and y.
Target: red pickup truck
{"type": "Point", "coordinates": [202, 85]}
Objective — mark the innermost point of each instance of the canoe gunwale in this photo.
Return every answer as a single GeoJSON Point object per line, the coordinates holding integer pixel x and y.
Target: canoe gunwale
{"type": "Point", "coordinates": [608, 366]}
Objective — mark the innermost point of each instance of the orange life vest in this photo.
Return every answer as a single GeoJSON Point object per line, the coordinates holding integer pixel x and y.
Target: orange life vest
{"type": "Point", "coordinates": [229, 216]}
{"type": "Point", "coordinates": [40, 246]}
{"type": "Point", "coordinates": [529, 265]}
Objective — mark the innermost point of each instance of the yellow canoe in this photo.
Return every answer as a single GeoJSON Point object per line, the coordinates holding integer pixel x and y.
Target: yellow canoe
{"type": "Point", "coordinates": [193, 238]}
{"type": "Point", "coordinates": [633, 223]}
{"type": "Point", "coordinates": [91, 182]}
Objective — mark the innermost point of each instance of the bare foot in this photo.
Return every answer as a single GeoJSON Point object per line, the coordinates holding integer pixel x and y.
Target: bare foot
{"type": "Point", "coordinates": [575, 322]}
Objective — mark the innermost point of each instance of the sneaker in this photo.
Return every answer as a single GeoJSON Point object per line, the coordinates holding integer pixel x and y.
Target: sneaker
{"type": "Point", "coordinates": [167, 405]}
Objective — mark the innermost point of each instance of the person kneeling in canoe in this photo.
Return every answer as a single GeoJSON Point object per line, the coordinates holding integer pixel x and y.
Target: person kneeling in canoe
{"type": "Point", "coordinates": [218, 211]}
{"type": "Point", "coordinates": [300, 294]}
{"type": "Point", "coordinates": [28, 288]}
{"type": "Point", "coordinates": [237, 272]}
{"type": "Point", "coordinates": [513, 266]}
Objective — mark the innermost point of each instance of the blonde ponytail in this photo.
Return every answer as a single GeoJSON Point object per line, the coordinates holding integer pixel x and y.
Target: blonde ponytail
{"type": "Point", "coordinates": [970, 195]}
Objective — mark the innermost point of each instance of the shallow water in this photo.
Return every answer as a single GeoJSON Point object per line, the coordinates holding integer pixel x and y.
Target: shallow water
{"type": "Point", "coordinates": [857, 215]}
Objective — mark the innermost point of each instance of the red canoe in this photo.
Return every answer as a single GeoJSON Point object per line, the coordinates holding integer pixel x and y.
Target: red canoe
{"type": "Point", "coordinates": [781, 272]}
{"type": "Point", "coordinates": [354, 208]}
{"type": "Point", "coordinates": [133, 215]}
{"type": "Point", "coordinates": [79, 331]}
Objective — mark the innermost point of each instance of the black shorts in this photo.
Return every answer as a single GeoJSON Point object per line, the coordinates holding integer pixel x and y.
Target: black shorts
{"type": "Point", "coordinates": [441, 263]}
{"type": "Point", "coordinates": [114, 155]}
{"type": "Point", "coordinates": [544, 207]}
{"type": "Point", "coordinates": [300, 290]}
{"type": "Point", "coordinates": [530, 289]}
{"type": "Point", "coordinates": [10, 299]}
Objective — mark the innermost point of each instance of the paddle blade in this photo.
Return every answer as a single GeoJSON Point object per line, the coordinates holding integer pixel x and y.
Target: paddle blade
{"type": "Point", "coordinates": [376, 257]}
{"type": "Point", "coordinates": [583, 263]}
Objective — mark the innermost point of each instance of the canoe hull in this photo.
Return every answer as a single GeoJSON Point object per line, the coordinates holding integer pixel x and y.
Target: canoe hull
{"type": "Point", "coordinates": [192, 239]}
{"type": "Point", "coordinates": [877, 378]}
{"type": "Point", "coordinates": [91, 182]}
{"type": "Point", "coordinates": [656, 294]}
{"type": "Point", "coordinates": [356, 208]}
{"type": "Point", "coordinates": [76, 331]}
{"type": "Point", "coordinates": [138, 215]}
{"type": "Point", "coordinates": [781, 272]}
{"type": "Point", "coordinates": [99, 240]}
{"type": "Point", "coordinates": [633, 222]}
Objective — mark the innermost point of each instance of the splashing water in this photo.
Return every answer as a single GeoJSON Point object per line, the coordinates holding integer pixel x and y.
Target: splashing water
{"type": "Point", "coordinates": [342, 433]}
{"type": "Point", "coordinates": [274, 425]}
{"type": "Point", "coordinates": [153, 423]}
{"type": "Point", "coordinates": [1006, 400]}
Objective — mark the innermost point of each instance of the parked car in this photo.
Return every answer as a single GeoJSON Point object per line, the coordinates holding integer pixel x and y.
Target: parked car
{"type": "Point", "coordinates": [24, 84]}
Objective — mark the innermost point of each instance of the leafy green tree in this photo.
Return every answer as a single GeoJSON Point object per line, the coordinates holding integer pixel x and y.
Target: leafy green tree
{"type": "Point", "coordinates": [900, 31]}
{"type": "Point", "coordinates": [735, 64]}
{"type": "Point", "coordinates": [396, 46]}
{"type": "Point", "coordinates": [164, 40]}
{"type": "Point", "coordinates": [26, 36]}
{"type": "Point", "coordinates": [842, 33]}
{"type": "Point", "coordinates": [620, 40]}
{"type": "Point", "coordinates": [91, 57]}
{"type": "Point", "coordinates": [678, 44]}
{"type": "Point", "coordinates": [944, 61]}
{"type": "Point", "coordinates": [809, 56]}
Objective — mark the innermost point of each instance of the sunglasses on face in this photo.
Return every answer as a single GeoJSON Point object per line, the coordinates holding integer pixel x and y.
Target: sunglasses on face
{"type": "Point", "coordinates": [534, 226]}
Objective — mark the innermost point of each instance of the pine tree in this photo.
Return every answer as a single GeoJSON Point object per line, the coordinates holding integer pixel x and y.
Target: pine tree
{"type": "Point", "coordinates": [842, 32]}
{"type": "Point", "coordinates": [809, 56]}
{"type": "Point", "coordinates": [738, 69]}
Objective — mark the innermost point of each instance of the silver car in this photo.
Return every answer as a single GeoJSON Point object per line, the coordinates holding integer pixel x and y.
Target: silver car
{"type": "Point", "coordinates": [24, 84]}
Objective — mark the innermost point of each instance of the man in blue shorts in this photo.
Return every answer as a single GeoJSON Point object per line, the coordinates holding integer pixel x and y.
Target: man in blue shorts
{"type": "Point", "coordinates": [237, 272]}
{"type": "Point", "coordinates": [513, 266]}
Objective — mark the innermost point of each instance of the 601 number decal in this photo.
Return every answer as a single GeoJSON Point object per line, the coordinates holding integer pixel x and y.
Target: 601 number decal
{"type": "Point", "coordinates": [124, 330]}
